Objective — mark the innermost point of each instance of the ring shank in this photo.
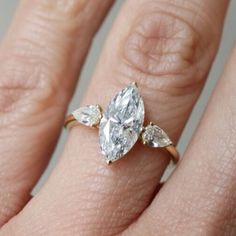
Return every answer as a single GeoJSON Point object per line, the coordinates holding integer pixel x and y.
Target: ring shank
{"type": "Point", "coordinates": [70, 121]}
{"type": "Point", "coordinates": [174, 153]}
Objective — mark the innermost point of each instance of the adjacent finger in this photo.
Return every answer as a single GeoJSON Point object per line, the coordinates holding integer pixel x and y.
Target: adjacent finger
{"type": "Point", "coordinates": [167, 48]}
{"type": "Point", "coordinates": [39, 62]}
{"type": "Point", "coordinates": [201, 195]}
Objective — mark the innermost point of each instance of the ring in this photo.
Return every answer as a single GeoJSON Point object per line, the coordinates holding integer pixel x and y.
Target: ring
{"type": "Point", "coordinates": [121, 125]}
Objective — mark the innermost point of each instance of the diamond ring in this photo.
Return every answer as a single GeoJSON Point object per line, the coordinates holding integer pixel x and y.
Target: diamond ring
{"type": "Point", "coordinates": [121, 125]}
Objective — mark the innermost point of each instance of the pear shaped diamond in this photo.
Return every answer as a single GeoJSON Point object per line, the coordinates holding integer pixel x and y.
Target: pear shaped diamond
{"type": "Point", "coordinates": [88, 115]}
{"type": "Point", "coordinates": [154, 136]}
{"type": "Point", "coordinates": [121, 123]}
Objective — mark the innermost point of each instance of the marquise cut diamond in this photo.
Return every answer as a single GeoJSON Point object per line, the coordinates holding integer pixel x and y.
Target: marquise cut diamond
{"type": "Point", "coordinates": [121, 123]}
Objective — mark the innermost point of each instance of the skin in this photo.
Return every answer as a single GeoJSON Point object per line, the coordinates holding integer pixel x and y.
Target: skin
{"type": "Point", "coordinates": [167, 47]}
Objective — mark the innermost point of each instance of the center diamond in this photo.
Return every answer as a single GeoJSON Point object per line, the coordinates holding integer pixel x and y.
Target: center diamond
{"type": "Point", "coordinates": [121, 124]}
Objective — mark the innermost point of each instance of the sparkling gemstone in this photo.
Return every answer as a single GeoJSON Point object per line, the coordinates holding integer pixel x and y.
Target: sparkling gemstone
{"type": "Point", "coordinates": [121, 123]}
{"type": "Point", "coordinates": [88, 115]}
{"type": "Point", "coordinates": [154, 136]}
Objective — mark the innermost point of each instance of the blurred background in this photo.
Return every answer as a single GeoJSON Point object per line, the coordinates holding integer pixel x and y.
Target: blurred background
{"type": "Point", "coordinates": [8, 7]}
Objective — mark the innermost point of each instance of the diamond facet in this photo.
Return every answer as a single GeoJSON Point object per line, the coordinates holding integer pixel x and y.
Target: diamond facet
{"type": "Point", "coordinates": [154, 136]}
{"type": "Point", "coordinates": [121, 123]}
{"type": "Point", "coordinates": [88, 115]}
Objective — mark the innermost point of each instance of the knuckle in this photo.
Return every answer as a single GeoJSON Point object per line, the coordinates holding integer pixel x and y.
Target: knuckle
{"type": "Point", "coordinates": [33, 63]}
{"type": "Point", "coordinates": [26, 74]}
{"type": "Point", "coordinates": [160, 45]}
{"type": "Point", "coordinates": [166, 51]}
{"type": "Point", "coordinates": [29, 66]}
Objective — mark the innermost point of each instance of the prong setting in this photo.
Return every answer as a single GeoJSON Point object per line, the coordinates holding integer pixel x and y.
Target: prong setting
{"type": "Point", "coordinates": [88, 115]}
{"type": "Point", "coordinates": [134, 84]}
{"type": "Point", "coordinates": [109, 162]}
{"type": "Point", "coordinates": [154, 136]}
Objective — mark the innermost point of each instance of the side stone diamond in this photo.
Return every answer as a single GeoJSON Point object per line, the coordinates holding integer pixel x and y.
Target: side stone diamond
{"type": "Point", "coordinates": [154, 136]}
{"type": "Point", "coordinates": [121, 123]}
{"type": "Point", "coordinates": [88, 115]}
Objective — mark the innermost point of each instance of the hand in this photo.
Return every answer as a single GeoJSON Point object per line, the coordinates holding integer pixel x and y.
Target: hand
{"type": "Point", "coordinates": [167, 47]}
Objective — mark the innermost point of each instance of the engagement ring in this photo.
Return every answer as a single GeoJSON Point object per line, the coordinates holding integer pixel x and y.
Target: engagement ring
{"type": "Point", "coordinates": [121, 125]}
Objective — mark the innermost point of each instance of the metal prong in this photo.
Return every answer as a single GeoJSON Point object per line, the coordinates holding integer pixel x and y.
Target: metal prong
{"type": "Point", "coordinates": [109, 162]}
{"type": "Point", "coordinates": [135, 84]}
{"type": "Point", "coordinates": [99, 107]}
{"type": "Point", "coordinates": [142, 130]}
{"type": "Point", "coordinates": [95, 125]}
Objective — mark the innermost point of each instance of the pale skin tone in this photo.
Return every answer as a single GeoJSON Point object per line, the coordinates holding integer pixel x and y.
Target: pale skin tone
{"type": "Point", "coordinates": [167, 47]}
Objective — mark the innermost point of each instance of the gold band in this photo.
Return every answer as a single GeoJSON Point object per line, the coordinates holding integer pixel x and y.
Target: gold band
{"type": "Point", "coordinates": [70, 122]}
{"type": "Point", "coordinates": [173, 152]}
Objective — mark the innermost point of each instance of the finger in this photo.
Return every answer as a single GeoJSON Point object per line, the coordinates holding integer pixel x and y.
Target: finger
{"type": "Point", "coordinates": [201, 195]}
{"type": "Point", "coordinates": [38, 74]}
{"type": "Point", "coordinates": [167, 49]}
